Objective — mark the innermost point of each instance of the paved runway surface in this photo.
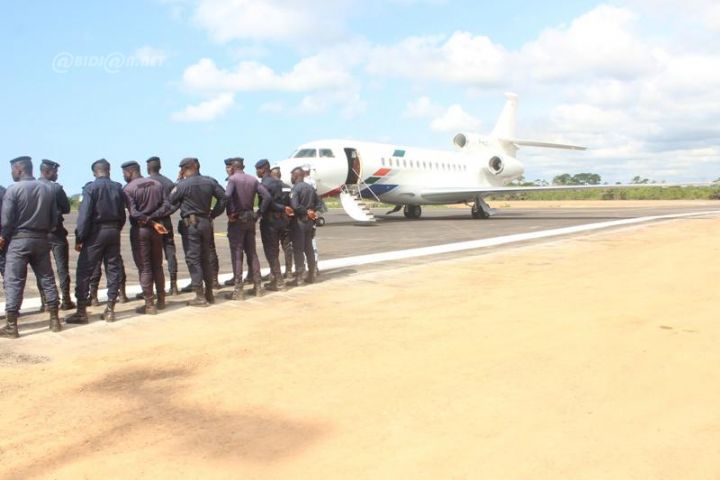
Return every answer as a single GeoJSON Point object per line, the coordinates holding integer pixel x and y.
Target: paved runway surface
{"type": "Point", "coordinates": [342, 237]}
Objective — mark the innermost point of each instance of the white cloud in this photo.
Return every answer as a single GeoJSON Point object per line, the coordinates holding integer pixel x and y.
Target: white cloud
{"type": "Point", "coordinates": [422, 107]}
{"type": "Point", "coordinates": [305, 21]}
{"type": "Point", "coordinates": [455, 119]}
{"type": "Point", "coordinates": [206, 111]}
{"type": "Point", "coordinates": [462, 58]}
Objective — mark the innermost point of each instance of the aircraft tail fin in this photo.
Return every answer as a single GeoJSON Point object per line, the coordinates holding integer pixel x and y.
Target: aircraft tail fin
{"type": "Point", "coordinates": [505, 126]}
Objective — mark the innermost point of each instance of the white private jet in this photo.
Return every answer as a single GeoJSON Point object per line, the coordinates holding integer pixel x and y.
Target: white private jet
{"type": "Point", "coordinates": [410, 177]}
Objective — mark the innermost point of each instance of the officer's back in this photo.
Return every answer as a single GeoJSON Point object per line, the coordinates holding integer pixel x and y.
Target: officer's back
{"type": "Point", "coordinates": [102, 203]}
{"type": "Point", "coordinates": [28, 206]}
{"type": "Point", "coordinates": [195, 194]}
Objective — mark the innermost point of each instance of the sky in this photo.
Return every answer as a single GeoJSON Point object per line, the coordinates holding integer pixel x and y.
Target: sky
{"type": "Point", "coordinates": [636, 81]}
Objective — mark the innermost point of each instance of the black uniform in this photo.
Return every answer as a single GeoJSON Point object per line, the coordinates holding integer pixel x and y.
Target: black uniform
{"type": "Point", "coordinates": [273, 224]}
{"type": "Point", "coordinates": [194, 196]}
{"type": "Point", "coordinates": [302, 199]}
{"type": "Point", "coordinates": [58, 238]}
{"type": "Point", "coordinates": [285, 237]}
{"type": "Point", "coordinates": [2, 252]}
{"type": "Point", "coordinates": [169, 239]}
{"type": "Point", "coordinates": [100, 219]}
{"type": "Point", "coordinates": [29, 213]}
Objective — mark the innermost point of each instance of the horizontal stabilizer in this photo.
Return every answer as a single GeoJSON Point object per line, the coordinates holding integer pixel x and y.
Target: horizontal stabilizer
{"type": "Point", "coordinates": [534, 143]}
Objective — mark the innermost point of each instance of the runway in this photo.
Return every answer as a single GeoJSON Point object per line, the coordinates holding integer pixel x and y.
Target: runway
{"type": "Point", "coordinates": [342, 238]}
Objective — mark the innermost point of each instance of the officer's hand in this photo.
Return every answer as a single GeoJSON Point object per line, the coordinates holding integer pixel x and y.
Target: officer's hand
{"type": "Point", "coordinates": [160, 228]}
{"type": "Point", "coordinates": [312, 215]}
{"type": "Point", "coordinates": [78, 247]}
{"type": "Point", "coordinates": [289, 212]}
{"type": "Point", "coordinates": [2, 243]}
{"type": "Point", "coordinates": [232, 218]}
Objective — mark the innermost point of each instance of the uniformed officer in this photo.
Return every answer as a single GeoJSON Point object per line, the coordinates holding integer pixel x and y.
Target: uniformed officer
{"type": "Point", "coordinates": [2, 251]}
{"type": "Point", "coordinates": [58, 236]}
{"type": "Point", "coordinates": [193, 195]}
{"type": "Point", "coordinates": [153, 169]}
{"type": "Point", "coordinates": [272, 224]}
{"type": "Point", "coordinates": [97, 238]}
{"type": "Point", "coordinates": [147, 206]}
{"type": "Point", "coordinates": [303, 204]}
{"type": "Point", "coordinates": [241, 192]}
{"type": "Point", "coordinates": [285, 240]}
{"type": "Point", "coordinates": [29, 212]}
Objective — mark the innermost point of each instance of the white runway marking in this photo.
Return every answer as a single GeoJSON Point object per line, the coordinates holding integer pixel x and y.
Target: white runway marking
{"type": "Point", "coordinates": [34, 303]}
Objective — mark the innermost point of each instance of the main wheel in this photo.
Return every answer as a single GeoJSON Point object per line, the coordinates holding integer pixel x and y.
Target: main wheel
{"type": "Point", "coordinates": [478, 213]}
{"type": "Point", "coordinates": [413, 212]}
{"type": "Point", "coordinates": [320, 221]}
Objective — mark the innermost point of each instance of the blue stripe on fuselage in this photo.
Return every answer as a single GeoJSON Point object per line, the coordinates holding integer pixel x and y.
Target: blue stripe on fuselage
{"type": "Point", "coordinates": [377, 189]}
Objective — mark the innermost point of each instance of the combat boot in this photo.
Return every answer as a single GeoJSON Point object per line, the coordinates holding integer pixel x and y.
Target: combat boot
{"type": "Point", "coordinates": [209, 295]}
{"type": "Point", "coordinates": [149, 308]}
{"type": "Point", "coordinates": [160, 303]}
{"type": "Point", "coordinates": [296, 281]}
{"type": "Point", "coordinates": [54, 319]}
{"type": "Point", "coordinates": [122, 297]}
{"type": "Point", "coordinates": [173, 284]}
{"type": "Point", "coordinates": [311, 276]}
{"type": "Point", "coordinates": [94, 302]}
{"type": "Point", "coordinates": [216, 283]}
{"type": "Point", "coordinates": [109, 313]}
{"type": "Point", "coordinates": [199, 300]}
{"type": "Point", "coordinates": [10, 330]}
{"type": "Point", "coordinates": [276, 284]}
{"type": "Point", "coordinates": [43, 303]}
{"type": "Point", "coordinates": [237, 294]}
{"type": "Point", "coordinates": [187, 288]}
{"type": "Point", "coordinates": [67, 303]}
{"type": "Point", "coordinates": [257, 290]}
{"type": "Point", "coordinates": [229, 283]}
{"type": "Point", "coordinates": [80, 317]}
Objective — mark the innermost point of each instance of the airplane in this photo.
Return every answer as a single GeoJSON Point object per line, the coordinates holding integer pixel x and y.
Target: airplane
{"type": "Point", "coordinates": [409, 178]}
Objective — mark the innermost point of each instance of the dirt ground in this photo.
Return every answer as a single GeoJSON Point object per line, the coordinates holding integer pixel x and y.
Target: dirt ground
{"type": "Point", "coordinates": [587, 358]}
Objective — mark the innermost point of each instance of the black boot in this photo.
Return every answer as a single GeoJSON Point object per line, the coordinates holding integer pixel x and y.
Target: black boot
{"type": "Point", "coordinates": [67, 303]}
{"type": "Point", "coordinates": [311, 276]}
{"type": "Point", "coordinates": [109, 313]}
{"type": "Point", "coordinates": [296, 281]}
{"type": "Point", "coordinates": [54, 319]}
{"type": "Point", "coordinates": [10, 330]}
{"type": "Point", "coordinates": [237, 294]}
{"type": "Point", "coordinates": [216, 283]}
{"type": "Point", "coordinates": [149, 308]}
{"type": "Point", "coordinates": [122, 297]}
{"type": "Point", "coordinates": [187, 288]}
{"type": "Point", "coordinates": [277, 283]}
{"type": "Point", "coordinates": [160, 303]}
{"type": "Point", "coordinates": [209, 295]}
{"type": "Point", "coordinates": [229, 283]}
{"type": "Point", "coordinates": [173, 284]}
{"type": "Point", "coordinates": [257, 286]}
{"type": "Point", "coordinates": [80, 317]}
{"type": "Point", "coordinates": [199, 300]}
{"type": "Point", "coordinates": [94, 302]}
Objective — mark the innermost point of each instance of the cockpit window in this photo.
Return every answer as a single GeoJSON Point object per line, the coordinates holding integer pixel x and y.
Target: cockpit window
{"type": "Point", "coordinates": [306, 153]}
{"type": "Point", "coordinates": [326, 153]}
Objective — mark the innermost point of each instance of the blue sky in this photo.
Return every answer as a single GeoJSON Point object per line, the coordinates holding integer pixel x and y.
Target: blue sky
{"type": "Point", "coordinates": [637, 81]}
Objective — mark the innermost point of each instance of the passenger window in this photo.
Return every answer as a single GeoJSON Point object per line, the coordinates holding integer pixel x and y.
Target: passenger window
{"type": "Point", "coordinates": [326, 153]}
{"type": "Point", "coordinates": [405, 163]}
{"type": "Point", "coordinates": [382, 161]}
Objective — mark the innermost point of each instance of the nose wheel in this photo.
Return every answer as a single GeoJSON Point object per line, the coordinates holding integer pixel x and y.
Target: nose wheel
{"type": "Point", "coordinates": [480, 209]}
{"type": "Point", "coordinates": [413, 212]}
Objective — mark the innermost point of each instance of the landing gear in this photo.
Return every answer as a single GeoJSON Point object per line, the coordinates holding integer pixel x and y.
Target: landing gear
{"type": "Point", "coordinates": [412, 212]}
{"type": "Point", "coordinates": [320, 221]}
{"type": "Point", "coordinates": [480, 209]}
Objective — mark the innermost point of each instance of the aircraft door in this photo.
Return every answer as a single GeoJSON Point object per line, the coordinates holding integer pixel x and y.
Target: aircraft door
{"type": "Point", "coordinates": [354, 166]}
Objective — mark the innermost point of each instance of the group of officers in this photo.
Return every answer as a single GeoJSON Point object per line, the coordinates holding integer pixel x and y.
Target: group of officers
{"type": "Point", "coordinates": [31, 226]}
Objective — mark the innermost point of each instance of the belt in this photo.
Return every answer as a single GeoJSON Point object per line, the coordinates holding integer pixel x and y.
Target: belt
{"type": "Point", "coordinates": [108, 225]}
{"type": "Point", "coordinates": [31, 234]}
{"type": "Point", "coordinates": [192, 219]}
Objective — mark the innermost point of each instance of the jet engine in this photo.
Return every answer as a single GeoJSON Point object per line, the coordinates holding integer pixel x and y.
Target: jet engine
{"type": "Point", "coordinates": [504, 166]}
{"type": "Point", "coordinates": [467, 140]}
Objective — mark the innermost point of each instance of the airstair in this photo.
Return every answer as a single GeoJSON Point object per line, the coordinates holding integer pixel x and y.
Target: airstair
{"type": "Point", "coordinates": [354, 205]}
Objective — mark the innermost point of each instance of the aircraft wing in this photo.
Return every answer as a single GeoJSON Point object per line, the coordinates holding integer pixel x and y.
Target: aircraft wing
{"type": "Point", "coordinates": [466, 194]}
{"type": "Point", "coordinates": [536, 143]}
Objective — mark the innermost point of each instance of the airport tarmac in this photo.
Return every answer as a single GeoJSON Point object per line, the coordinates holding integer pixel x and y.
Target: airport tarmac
{"type": "Point", "coordinates": [342, 237]}
{"type": "Point", "coordinates": [588, 357]}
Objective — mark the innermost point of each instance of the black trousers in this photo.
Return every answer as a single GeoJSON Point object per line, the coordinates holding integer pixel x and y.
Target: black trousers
{"type": "Point", "coordinates": [97, 273]}
{"type": "Point", "coordinates": [197, 243]}
{"type": "Point", "coordinates": [21, 252]}
{"type": "Point", "coordinates": [61, 252]}
{"type": "Point", "coordinates": [148, 255]}
{"type": "Point", "coordinates": [103, 244]}
{"type": "Point", "coordinates": [169, 250]}
{"type": "Point", "coordinates": [270, 232]}
{"type": "Point", "coordinates": [301, 232]}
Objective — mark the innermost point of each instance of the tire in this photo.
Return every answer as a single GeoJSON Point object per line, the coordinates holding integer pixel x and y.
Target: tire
{"type": "Point", "coordinates": [320, 221]}
{"type": "Point", "coordinates": [413, 212]}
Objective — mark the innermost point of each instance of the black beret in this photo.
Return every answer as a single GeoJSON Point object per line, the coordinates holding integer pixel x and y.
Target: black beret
{"type": "Point", "coordinates": [153, 159]}
{"type": "Point", "coordinates": [188, 161]}
{"type": "Point", "coordinates": [130, 164]}
{"type": "Point", "coordinates": [20, 159]}
{"type": "Point", "coordinates": [49, 163]}
{"type": "Point", "coordinates": [297, 169]}
{"type": "Point", "coordinates": [262, 163]}
{"type": "Point", "coordinates": [102, 162]}
{"type": "Point", "coordinates": [229, 161]}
